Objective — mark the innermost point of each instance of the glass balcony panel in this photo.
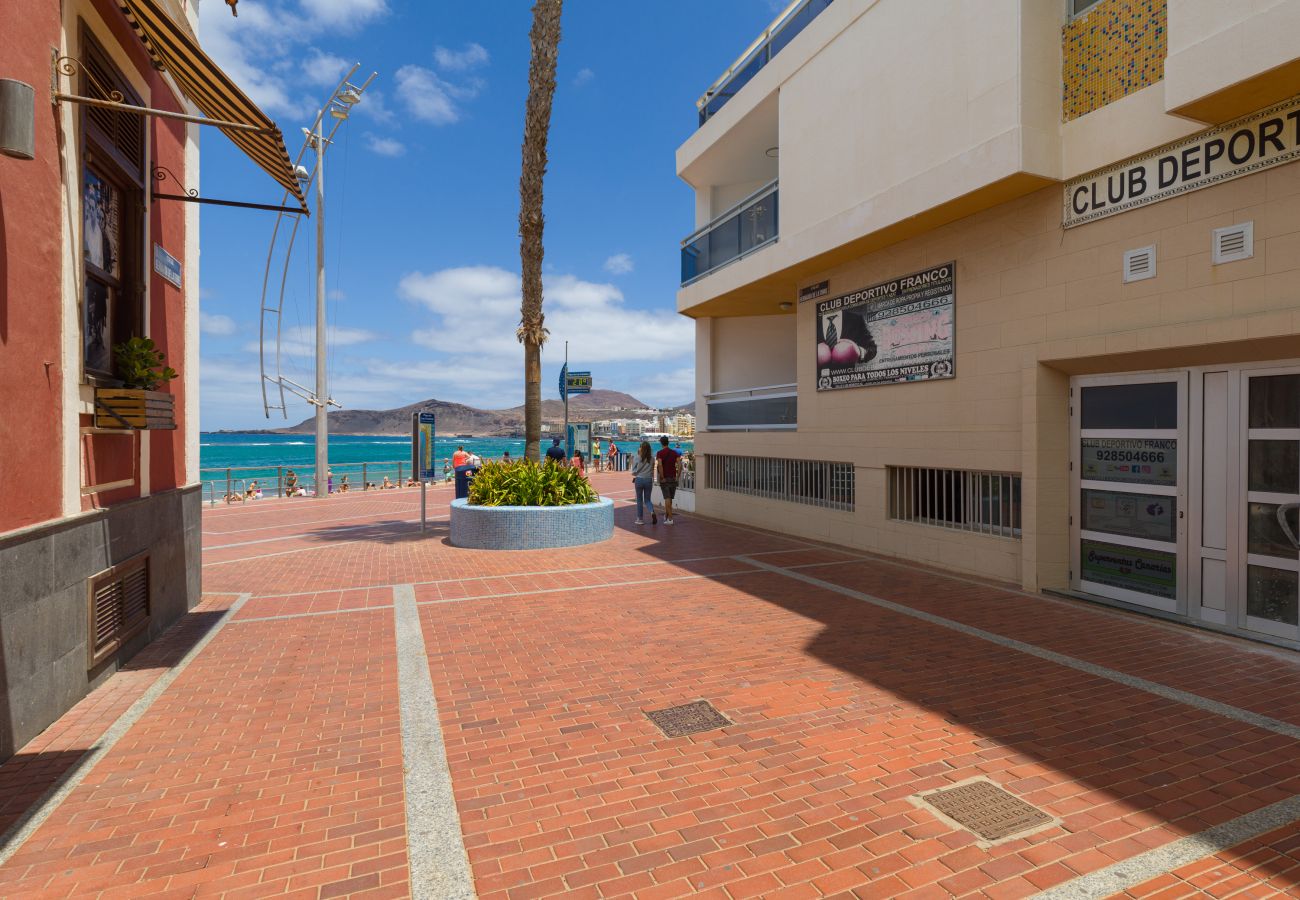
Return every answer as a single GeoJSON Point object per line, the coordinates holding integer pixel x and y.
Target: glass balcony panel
{"type": "Point", "coordinates": [779, 35]}
{"type": "Point", "coordinates": [731, 237]}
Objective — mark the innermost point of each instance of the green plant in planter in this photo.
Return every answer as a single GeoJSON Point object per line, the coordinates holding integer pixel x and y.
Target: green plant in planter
{"type": "Point", "coordinates": [140, 364]}
{"type": "Point", "coordinates": [527, 483]}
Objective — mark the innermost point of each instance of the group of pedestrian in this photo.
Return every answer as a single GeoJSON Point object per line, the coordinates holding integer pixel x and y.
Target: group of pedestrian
{"type": "Point", "coordinates": [662, 467]}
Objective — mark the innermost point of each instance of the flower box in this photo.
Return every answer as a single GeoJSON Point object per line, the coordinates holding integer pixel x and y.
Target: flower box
{"type": "Point", "coordinates": [132, 408]}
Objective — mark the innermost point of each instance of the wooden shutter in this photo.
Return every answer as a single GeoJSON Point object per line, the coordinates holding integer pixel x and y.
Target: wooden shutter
{"type": "Point", "coordinates": [118, 607]}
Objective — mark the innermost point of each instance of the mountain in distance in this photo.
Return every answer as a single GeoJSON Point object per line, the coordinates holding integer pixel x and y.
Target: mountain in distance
{"type": "Point", "coordinates": [456, 418]}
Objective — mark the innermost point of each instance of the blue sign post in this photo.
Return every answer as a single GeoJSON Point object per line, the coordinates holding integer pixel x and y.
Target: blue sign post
{"type": "Point", "coordinates": [422, 436]}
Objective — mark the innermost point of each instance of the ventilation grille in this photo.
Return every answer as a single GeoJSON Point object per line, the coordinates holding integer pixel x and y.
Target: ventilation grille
{"type": "Point", "coordinates": [125, 131]}
{"type": "Point", "coordinates": [118, 607]}
{"type": "Point", "coordinates": [1140, 264]}
{"type": "Point", "coordinates": [1233, 243]}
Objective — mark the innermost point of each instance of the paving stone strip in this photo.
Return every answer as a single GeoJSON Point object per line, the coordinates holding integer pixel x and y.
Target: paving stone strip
{"type": "Point", "coordinates": [436, 851]}
{"type": "Point", "coordinates": [1127, 873]}
{"type": "Point", "coordinates": [18, 833]}
{"type": "Point", "coordinates": [1130, 872]}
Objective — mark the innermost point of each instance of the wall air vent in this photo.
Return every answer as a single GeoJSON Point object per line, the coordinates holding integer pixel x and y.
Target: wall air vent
{"type": "Point", "coordinates": [1140, 264]}
{"type": "Point", "coordinates": [118, 606]}
{"type": "Point", "coordinates": [1233, 243]}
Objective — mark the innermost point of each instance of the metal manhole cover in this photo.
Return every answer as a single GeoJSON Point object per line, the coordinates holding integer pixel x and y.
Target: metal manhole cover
{"type": "Point", "coordinates": [987, 810]}
{"type": "Point", "coordinates": [689, 718]}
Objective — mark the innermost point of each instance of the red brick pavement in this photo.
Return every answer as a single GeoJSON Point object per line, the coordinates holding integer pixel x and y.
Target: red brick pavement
{"type": "Point", "coordinates": [273, 764]}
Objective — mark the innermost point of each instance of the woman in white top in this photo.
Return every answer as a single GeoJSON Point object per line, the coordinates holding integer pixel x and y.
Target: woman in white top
{"type": "Point", "coordinates": [643, 473]}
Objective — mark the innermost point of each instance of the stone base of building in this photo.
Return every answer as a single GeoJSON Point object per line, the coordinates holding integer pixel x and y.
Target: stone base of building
{"type": "Point", "coordinates": [47, 658]}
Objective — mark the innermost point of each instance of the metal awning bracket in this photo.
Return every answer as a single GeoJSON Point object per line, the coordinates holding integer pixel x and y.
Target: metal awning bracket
{"type": "Point", "coordinates": [70, 66]}
{"type": "Point", "coordinates": [162, 173]}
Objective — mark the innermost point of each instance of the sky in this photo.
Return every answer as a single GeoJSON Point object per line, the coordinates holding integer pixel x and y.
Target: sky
{"type": "Point", "coordinates": [422, 204]}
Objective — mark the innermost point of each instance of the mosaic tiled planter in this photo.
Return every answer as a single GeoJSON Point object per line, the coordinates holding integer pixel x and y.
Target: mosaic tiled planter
{"type": "Point", "coordinates": [530, 527]}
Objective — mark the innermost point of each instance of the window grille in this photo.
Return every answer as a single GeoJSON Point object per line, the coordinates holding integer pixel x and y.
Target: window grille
{"type": "Point", "coordinates": [980, 502]}
{"type": "Point", "coordinates": [816, 483]}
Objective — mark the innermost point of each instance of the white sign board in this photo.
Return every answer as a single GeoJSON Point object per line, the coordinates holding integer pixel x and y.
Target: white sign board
{"type": "Point", "coordinates": [1258, 141]}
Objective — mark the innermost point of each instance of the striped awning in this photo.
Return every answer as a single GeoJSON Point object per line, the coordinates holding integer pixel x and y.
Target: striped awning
{"type": "Point", "coordinates": [211, 90]}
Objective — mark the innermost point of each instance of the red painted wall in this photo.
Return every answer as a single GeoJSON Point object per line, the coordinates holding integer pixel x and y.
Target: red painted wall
{"type": "Point", "coordinates": [32, 421]}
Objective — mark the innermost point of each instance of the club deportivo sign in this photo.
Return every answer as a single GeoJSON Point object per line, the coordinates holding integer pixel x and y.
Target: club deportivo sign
{"type": "Point", "coordinates": [1259, 141]}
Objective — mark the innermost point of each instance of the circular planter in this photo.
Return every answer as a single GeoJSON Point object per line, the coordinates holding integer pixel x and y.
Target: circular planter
{"type": "Point", "coordinates": [530, 527]}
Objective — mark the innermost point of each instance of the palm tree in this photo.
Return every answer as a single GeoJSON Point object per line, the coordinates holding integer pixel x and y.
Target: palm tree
{"type": "Point", "coordinates": [532, 333]}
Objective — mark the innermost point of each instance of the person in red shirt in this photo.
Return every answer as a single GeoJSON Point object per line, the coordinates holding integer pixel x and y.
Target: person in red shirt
{"type": "Point", "coordinates": [459, 458]}
{"type": "Point", "coordinates": [667, 461]}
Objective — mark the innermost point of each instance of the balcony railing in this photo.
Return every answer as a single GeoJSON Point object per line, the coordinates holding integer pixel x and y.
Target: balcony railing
{"type": "Point", "coordinates": [783, 29]}
{"type": "Point", "coordinates": [773, 407]}
{"type": "Point", "coordinates": [748, 226]}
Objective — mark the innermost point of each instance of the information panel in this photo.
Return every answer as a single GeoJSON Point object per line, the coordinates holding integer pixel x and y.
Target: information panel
{"type": "Point", "coordinates": [1144, 571]}
{"type": "Point", "coordinates": [1130, 460]}
{"type": "Point", "coordinates": [422, 425]}
{"type": "Point", "coordinates": [901, 330]}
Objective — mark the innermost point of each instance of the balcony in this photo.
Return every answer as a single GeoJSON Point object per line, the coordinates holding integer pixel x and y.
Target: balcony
{"type": "Point", "coordinates": [748, 226]}
{"type": "Point", "coordinates": [773, 407]}
{"type": "Point", "coordinates": [783, 29]}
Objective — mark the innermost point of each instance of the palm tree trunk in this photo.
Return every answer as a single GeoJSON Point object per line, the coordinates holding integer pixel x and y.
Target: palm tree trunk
{"type": "Point", "coordinates": [545, 41]}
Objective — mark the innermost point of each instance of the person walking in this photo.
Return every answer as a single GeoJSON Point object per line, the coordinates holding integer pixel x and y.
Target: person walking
{"type": "Point", "coordinates": [555, 452]}
{"type": "Point", "coordinates": [643, 479]}
{"type": "Point", "coordinates": [666, 461]}
{"type": "Point", "coordinates": [595, 454]}
{"type": "Point", "coordinates": [613, 456]}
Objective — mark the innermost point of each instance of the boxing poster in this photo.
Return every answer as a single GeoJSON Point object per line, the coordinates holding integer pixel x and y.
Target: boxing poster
{"type": "Point", "coordinates": [901, 330]}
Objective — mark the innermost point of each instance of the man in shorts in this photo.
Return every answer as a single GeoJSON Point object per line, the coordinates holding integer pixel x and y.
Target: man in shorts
{"type": "Point", "coordinates": [667, 461]}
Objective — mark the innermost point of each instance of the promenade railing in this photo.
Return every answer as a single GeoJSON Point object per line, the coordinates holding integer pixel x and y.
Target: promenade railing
{"type": "Point", "coordinates": [221, 482]}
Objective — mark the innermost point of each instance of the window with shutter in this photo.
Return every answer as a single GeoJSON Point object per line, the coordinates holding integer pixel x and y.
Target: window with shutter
{"type": "Point", "coordinates": [112, 212]}
{"type": "Point", "coordinates": [118, 606]}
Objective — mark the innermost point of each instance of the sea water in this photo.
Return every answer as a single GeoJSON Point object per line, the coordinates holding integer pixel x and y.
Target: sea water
{"type": "Point", "coordinates": [265, 458]}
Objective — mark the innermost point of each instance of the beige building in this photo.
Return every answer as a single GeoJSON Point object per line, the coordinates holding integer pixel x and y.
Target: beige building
{"type": "Point", "coordinates": [1012, 287]}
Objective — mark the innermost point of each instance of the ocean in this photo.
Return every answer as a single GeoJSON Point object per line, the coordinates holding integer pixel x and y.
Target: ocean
{"type": "Point", "coordinates": [264, 457]}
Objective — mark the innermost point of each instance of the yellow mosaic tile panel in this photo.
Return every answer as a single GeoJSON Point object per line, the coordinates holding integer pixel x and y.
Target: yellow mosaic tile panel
{"type": "Point", "coordinates": [1112, 50]}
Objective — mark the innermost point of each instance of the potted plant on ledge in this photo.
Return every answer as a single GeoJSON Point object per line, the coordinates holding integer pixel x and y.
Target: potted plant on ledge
{"type": "Point", "coordinates": [137, 404]}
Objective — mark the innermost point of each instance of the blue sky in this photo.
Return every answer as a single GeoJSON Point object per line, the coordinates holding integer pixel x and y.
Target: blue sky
{"type": "Point", "coordinates": [422, 257]}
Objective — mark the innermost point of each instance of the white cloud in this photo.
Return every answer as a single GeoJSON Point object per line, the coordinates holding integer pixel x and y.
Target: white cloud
{"type": "Point", "coordinates": [300, 340]}
{"type": "Point", "coordinates": [671, 388]}
{"type": "Point", "coordinates": [384, 146]}
{"type": "Point", "coordinates": [259, 48]}
{"type": "Point", "coordinates": [216, 325]}
{"type": "Point", "coordinates": [324, 69]}
{"type": "Point", "coordinates": [619, 264]}
{"type": "Point", "coordinates": [427, 96]}
{"type": "Point", "coordinates": [374, 106]}
{"type": "Point", "coordinates": [473, 56]}
{"type": "Point", "coordinates": [476, 311]}
{"type": "Point", "coordinates": [584, 77]}
{"type": "Point", "coordinates": [345, 15]}
{"type": "Point", "coordinates": [336, 294]}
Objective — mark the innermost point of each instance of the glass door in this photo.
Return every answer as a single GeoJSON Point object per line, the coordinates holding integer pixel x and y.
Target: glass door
{"type": "Point", "coordinates": [1129, 459]}
{"type": "Point", "coordinates": [1270, 582]}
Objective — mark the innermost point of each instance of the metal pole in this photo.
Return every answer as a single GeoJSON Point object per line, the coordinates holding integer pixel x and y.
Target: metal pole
{"type": "Point", "coordinates": [566, 400]}
{"type": "Point", "coordinates": [322, 389]}
{"type": "Point", "coordinates": [423, 500]}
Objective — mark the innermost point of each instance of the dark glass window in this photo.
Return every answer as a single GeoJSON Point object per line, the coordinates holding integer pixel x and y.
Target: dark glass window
{"type": "Point", "coordinates": [1275, 401]}
{"type": "Point", "coordinates": [112, 213]}
{"type": "Point", "coordinates": [1152, 404]}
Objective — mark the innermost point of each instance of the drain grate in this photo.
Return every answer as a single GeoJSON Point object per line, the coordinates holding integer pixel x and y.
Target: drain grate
{"type": "Point", "coordinates": [987, 810]}
{"type": "Point", "coordinates": [689, 718]}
